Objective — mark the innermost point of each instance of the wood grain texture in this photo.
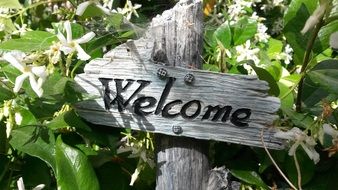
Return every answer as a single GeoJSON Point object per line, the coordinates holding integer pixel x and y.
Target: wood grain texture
{"type": "Point", "coordinates": [238, 91]}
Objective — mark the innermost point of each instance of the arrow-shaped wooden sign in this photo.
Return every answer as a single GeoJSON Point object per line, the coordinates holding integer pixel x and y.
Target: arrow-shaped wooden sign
{"type": "Point", "coordinates": [131, 90]}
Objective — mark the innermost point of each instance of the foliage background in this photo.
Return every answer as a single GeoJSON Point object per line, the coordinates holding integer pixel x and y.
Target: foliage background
{"type": "Point", "coordinates": [44, 141]}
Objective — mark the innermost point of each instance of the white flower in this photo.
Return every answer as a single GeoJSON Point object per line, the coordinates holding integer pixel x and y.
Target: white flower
{"type": "Point", "coordinates": [134, 176]}
{"type": "Point", "coordinates": [129, 9]}
{"type": "Point", "coordinates": [83, 6]}
{"type": "Point", "coordinates": [18, 118]}
{"type": "Point", "coordinates": [68, 45]}
{"type": "Point", "coordinates": [54, 53]}
{"type": "Point", "coordinates": [261, 34]}
{"type": "Point", "coordinates": [21, 185]}
{"type": "Point", "coordinates": [286, 55]}
{"type": "Point", "coordinates": [315, 17]}
{"type": "Point", "coordinates": [17, 59]}
{"type": "Point", "coordinates": [21, 30]}
{"type": "Point", "coordinates": [108, 4]}
{"type": "Point", "coordinates": [238, 8]}
{"type": "Point", "coordinates": [244, 52]}
{"type": "Point", "coordinates": [334, 40]}
{"type": "Point", "coordinates": [298, 137]}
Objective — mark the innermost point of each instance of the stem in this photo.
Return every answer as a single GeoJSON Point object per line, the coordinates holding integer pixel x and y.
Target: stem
{"type": "Point", "coordinates": [298, 172]}
{"type": "Point", "coordinates": [306, 61]}
{"type": "Point", "coordinates": [33, 6]}
{"type": "Point", "coordinates": [68, 63]}
{"type": "Point", "coordinates": [275, 164]}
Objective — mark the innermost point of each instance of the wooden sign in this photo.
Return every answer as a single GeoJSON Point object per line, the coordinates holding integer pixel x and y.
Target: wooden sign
{"type": "Point", "coordinates": [130, 90]}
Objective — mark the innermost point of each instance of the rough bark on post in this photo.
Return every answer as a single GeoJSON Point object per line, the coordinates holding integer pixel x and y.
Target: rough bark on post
{"type": "Point", "coordinates": [182, 163]}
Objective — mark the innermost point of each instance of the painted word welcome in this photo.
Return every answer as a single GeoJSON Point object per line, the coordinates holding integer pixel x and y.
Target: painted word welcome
{"type": "Point", "coordinates": [237, 117]}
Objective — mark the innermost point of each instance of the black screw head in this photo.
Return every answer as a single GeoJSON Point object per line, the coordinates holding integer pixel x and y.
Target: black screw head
{"type": "Point", "coordinates": [177, 129]}
{"type": "Point", "coordinates": [189, 78]}
{"type": "Point", "coordinates": [162, 73]}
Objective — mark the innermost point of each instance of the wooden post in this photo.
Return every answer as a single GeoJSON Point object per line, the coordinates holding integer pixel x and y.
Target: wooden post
{"type": "Point", "coordinates": [182, 163]}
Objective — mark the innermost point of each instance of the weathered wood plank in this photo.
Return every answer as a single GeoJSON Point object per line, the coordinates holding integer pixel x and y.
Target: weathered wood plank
{"type": "Point", "coordinates": [237, 91]}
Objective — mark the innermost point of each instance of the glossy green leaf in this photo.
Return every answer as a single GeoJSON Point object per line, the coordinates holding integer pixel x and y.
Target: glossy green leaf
{"type": "Point", "coordinates": [294, 20]}
{"type": "Point", "coordinates": [12, 4]}
{"type": "Point", "coordinates": [325, 78]}
{"type": "Point", "coordinates": [223, 35]}
{"type": "Point", "coordinates": [266, 76]}
{"type": "Point", "coordinates": [250, 177]}
{"type": "Point", "coordinates": [36, 141]}
{"type": "Point", "coordinates": [68, 119]}
{"type": "Point", "coordinates": [244, 30]}
{"type": "Point", "coordinates": [31, 41]}
{"type": "Point", "coordinates": [74, 171]}
{"type": "Point", "coordinates": [318, 87]}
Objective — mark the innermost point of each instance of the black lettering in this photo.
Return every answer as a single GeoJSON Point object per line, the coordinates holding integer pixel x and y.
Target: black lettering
{"type": "Point", "coordinates": [119, 89]}
{"type": "Point", "coordinates": [167, 108]}
{"type": "Point", "coordinates": [219, 111]}
{"type": "Point", "coordinates": [139, 105]}
{"type": "Point", "coordinates": [164, 94]}
{"type": "Point", "coordinates": [106, 92]}
{"type": "Point", "coordinates": [189, 104]}
{"type": "Point", "coordinates": [238, 121]}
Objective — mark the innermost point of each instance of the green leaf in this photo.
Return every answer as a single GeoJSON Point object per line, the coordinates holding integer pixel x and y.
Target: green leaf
{"type": "Point", "coordinates": [12, 4]}
{"type": "Point", "coordinates": [27, 116]}
{"type": "Point", "coordinates": [275, 69]}
{"type": "Point", "coordinates": [5, 94]}
{"type": "Point", "coordinates": [317, 87]}
{"type": "Point", "coordinates": [250, 177]}
{"type": "Point", "coordinates": [299, 119]}
{"type": "Point", "coordinates": [73, 171]}
{"type": "Point", "coordinates": [266, 76]}
{"type": "Point", "coordinates": [36, 141]}
{"type": "Point", "coordinates": [68, 119]}
{"type": "Point", "coordinates": [325, 33]}
{"type": "Point", "coordinates": [288, 101]}
{"type": "Point", "coordinates": [31, 41]}
{"type": "Point", "coordinates": [223, 35]}
{"type": "Point", "coordinates": [325, 78]}
{"type": "Point", "coordinates": [92, 11]}
{"type": "Point", "coordinates": [307, 167]}
{"type": "Point", "coordinates": [41, 171]}
{"type": "Point", "coordinates": [244, 30]}
{"type": "Point", "coordinates": [275, 48]}
{"type": "Point", "coordinates": [294, 20]}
